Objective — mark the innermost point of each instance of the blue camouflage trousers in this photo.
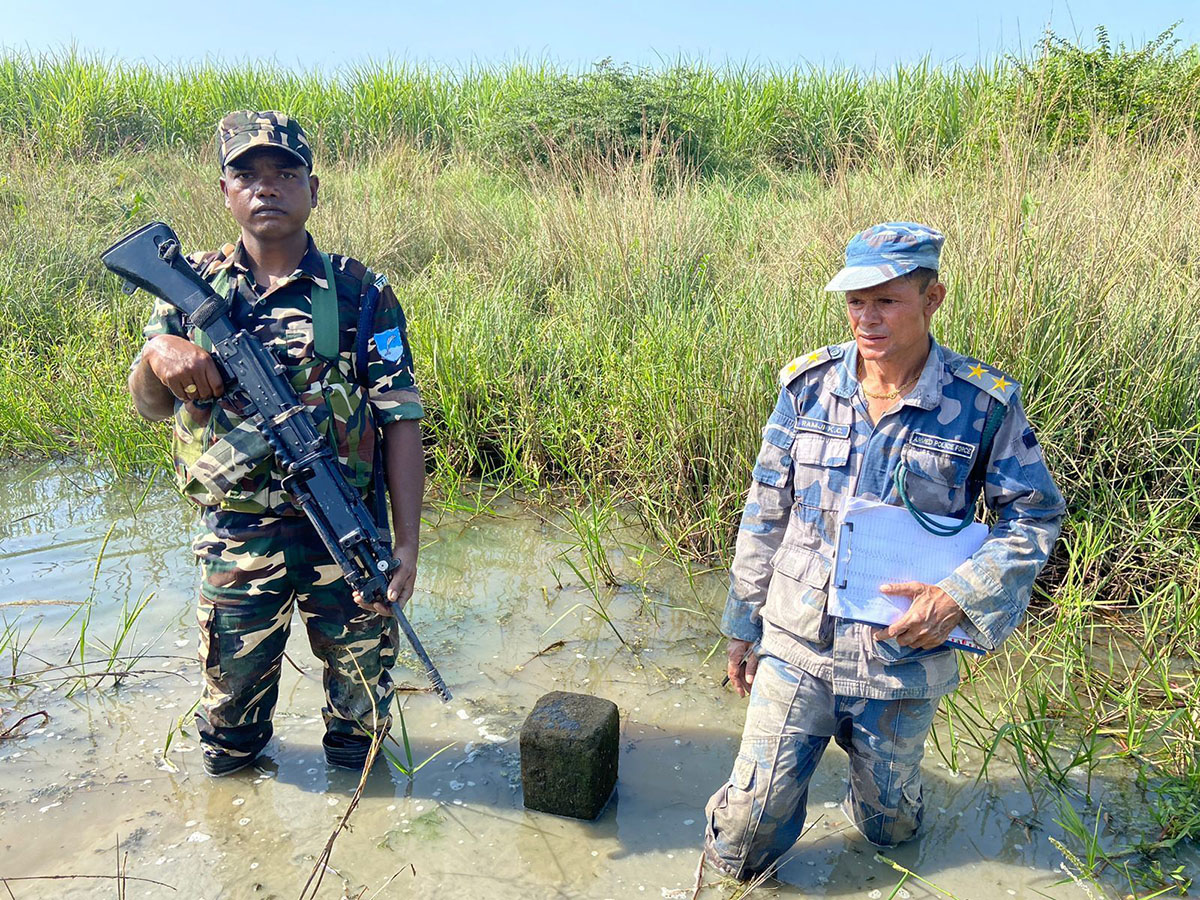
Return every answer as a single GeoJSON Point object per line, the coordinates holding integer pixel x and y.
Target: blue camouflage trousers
{"type": "Point", "coordinates": [759, 813]}
{"type": "Point", "coordinates": [248, 585]}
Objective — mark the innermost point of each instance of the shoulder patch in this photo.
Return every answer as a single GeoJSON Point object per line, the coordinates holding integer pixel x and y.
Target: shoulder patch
{"type": "Point", "coordinates": [808, 361]}
{"type": "Point", "coordinates": [990, 381]}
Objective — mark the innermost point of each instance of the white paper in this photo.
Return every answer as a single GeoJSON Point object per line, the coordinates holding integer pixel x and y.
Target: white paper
{"type": "Point", "coordinates": [881, 544]}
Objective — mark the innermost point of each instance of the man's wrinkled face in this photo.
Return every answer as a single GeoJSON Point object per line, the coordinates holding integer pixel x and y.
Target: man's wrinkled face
{"type": "Point", "coordinates": [891, 320]}
{"type": "Point", "coordinates": [269, 193]}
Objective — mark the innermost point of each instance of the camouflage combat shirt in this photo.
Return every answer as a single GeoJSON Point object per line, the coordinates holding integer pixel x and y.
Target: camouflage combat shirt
{"type": "Point", "coordinates": [221, 462]}
{"type": "Point", "coordinates": [820, 447]}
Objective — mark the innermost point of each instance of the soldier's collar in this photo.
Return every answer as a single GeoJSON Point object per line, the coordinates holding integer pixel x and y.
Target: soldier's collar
{"type": "Point", "coordinates": [847, 383]}
{"type": "Point", "coordinates": [311, 265]}
{"type": "Point", "coordinates": [927, 393]}
{"type": "Point", "coordinates": [236, 260]}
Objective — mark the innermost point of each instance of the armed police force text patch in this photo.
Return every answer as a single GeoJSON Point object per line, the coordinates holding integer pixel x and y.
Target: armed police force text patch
{"type": "Point", "coordinates": [941, 445]}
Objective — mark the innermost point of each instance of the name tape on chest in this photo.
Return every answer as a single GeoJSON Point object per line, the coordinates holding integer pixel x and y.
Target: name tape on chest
{"type": "Point", "coordinates": [942, 445]}
{"type": "Point", "coordinates": [820, 426]}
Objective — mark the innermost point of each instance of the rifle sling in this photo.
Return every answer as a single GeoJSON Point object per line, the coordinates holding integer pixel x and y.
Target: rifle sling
{"type": "Point", "coordinates": [325, 319]}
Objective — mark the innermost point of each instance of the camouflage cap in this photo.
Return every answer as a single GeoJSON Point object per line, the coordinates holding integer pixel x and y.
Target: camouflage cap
{"type": "Point", "coordinates": [246, 130]}
{"type": "Point", "coordinates": [886, 251]}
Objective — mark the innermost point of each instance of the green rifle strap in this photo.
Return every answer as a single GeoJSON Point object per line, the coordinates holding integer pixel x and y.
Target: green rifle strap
{"type": "Point", "coordinates": [326, 327]}
{"type": "Point", "coordinates": [975, 479]}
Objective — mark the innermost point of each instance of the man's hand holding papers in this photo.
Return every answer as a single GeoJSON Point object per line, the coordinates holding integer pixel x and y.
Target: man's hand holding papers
{"type": "Point", "coordinates": [929, 620]}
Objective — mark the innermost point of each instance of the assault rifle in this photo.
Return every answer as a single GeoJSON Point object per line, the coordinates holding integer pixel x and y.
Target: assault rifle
{"type": "Point", "coordinates": [150, 259]}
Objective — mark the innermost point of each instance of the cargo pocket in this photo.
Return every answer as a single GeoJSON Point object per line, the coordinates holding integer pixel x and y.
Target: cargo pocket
{"type": "Point", "coordinates": [910, 809]}
{"type": "Point", "coordinates": [732, 811]}
{"type": "Point", "coordinates": [890, 653]}
{"type": "Point", "coordinates": [744, 769]}
{"type": "Point", "coordinates": [209, 650]}
{"type": "Point", "coordinates": [798, 590]}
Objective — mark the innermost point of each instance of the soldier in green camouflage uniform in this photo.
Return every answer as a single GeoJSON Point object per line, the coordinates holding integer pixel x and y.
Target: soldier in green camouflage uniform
{"type": "Point", "coordinates": [259, 552]}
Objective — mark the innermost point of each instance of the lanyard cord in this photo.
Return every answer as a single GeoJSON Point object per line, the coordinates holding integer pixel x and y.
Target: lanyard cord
{"type": "Point", "coordinates": [974, 482]}
{"type": "Point", "coordinates": [924, 519]}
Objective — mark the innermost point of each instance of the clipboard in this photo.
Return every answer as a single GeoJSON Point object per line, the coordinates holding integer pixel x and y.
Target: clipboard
{"type": "Point", "coordinates": [882, 544]}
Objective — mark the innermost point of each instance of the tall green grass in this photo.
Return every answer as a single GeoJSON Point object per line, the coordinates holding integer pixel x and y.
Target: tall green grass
{"type": "Point", "coordinates": [712, 118]}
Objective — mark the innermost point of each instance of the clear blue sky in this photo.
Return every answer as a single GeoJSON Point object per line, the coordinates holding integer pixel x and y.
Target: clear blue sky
{"type": "Point", "coordinates": [326, 35]}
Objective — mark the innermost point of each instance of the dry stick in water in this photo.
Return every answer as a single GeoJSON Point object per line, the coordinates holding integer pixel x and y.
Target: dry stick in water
{"type": "Point", "coordinates": [121, 870]}
{"type": "Point", "coordinates": [299, 668]}
{"type": "Point", "coordinates": [318, 872]}
{"type": "Point", "coordinates": [6, 879]}
{"type": "Point", "coordinates": [395, 875]}
{"type": "Point", "coordinates": [557, 645]}
{"type": "Point", "coordinates": [10, 732]}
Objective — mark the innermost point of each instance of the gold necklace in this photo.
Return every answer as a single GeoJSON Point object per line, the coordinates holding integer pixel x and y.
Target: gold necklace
{"type": "Point", "coordinates": [890, 395]}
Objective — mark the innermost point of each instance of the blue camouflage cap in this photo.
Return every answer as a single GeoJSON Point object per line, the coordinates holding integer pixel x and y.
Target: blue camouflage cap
{"type": "Point", "coordinates": [887, 251]}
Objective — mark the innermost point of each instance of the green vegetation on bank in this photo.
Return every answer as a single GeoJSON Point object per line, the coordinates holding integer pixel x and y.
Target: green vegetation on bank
{"type": "Point", "coordinates": [603, 272]}
{"type": "Point", "coordinates": [713, 119]}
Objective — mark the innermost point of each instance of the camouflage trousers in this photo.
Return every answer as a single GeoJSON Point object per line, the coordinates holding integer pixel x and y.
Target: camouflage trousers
{"type": "Point", "coordinates": [247, 589]}
{"type": "Point", "coordinates": [759, 813]}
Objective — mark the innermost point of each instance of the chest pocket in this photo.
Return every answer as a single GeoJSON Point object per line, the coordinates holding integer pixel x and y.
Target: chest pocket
{"type": "Point", "coordinates": [937, 479]}
{"type": "Point", "coordinates": [821, 478]}
{"type": "Point", "coordinates": [296, 343]}
{"type": "Point", "coordinates": [340, 410]}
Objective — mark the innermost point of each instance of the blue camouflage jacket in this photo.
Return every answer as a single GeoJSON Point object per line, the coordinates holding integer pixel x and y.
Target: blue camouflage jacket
{"type": "Point", "coordinates": [820, 447]}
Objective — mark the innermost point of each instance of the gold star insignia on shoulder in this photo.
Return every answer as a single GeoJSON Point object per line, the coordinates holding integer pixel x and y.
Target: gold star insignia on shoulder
{"type": "Point", "coordinates": [977, 371]}
{"type": "Point", "coordinates": [1001, 383]}
{"type": "Point", "coordinates": [804, 363]}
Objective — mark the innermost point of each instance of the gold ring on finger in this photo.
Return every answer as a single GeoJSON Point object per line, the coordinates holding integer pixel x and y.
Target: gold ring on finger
{"type": "Point", "coordinates": [191, 389]}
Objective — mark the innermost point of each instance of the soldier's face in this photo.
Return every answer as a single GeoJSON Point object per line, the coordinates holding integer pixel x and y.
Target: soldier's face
{"type": "Point", "coordinates": [269, 193]}
{"type": "Point", "coordinates": [891, 320]}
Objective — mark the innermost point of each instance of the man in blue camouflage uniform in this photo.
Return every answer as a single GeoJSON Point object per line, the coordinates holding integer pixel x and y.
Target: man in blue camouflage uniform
{"type": "Point", "coordinates": [260, 552]}
{"type": "Point", "coordinates": [847, 416]}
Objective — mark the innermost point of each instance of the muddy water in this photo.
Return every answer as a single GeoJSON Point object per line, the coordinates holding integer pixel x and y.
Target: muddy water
{"type": "Point", "coordinates": [493, 590]}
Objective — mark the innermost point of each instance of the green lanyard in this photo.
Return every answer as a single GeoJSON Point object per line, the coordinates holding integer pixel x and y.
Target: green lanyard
{"type": "Point", "coordinates": [975, 480]}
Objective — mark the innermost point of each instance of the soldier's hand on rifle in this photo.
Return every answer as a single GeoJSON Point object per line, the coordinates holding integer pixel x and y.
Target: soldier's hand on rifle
{"type": "Point", "coordinates": [400, 588]}
{"type": "Point", "coordinates": [185, 370]}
